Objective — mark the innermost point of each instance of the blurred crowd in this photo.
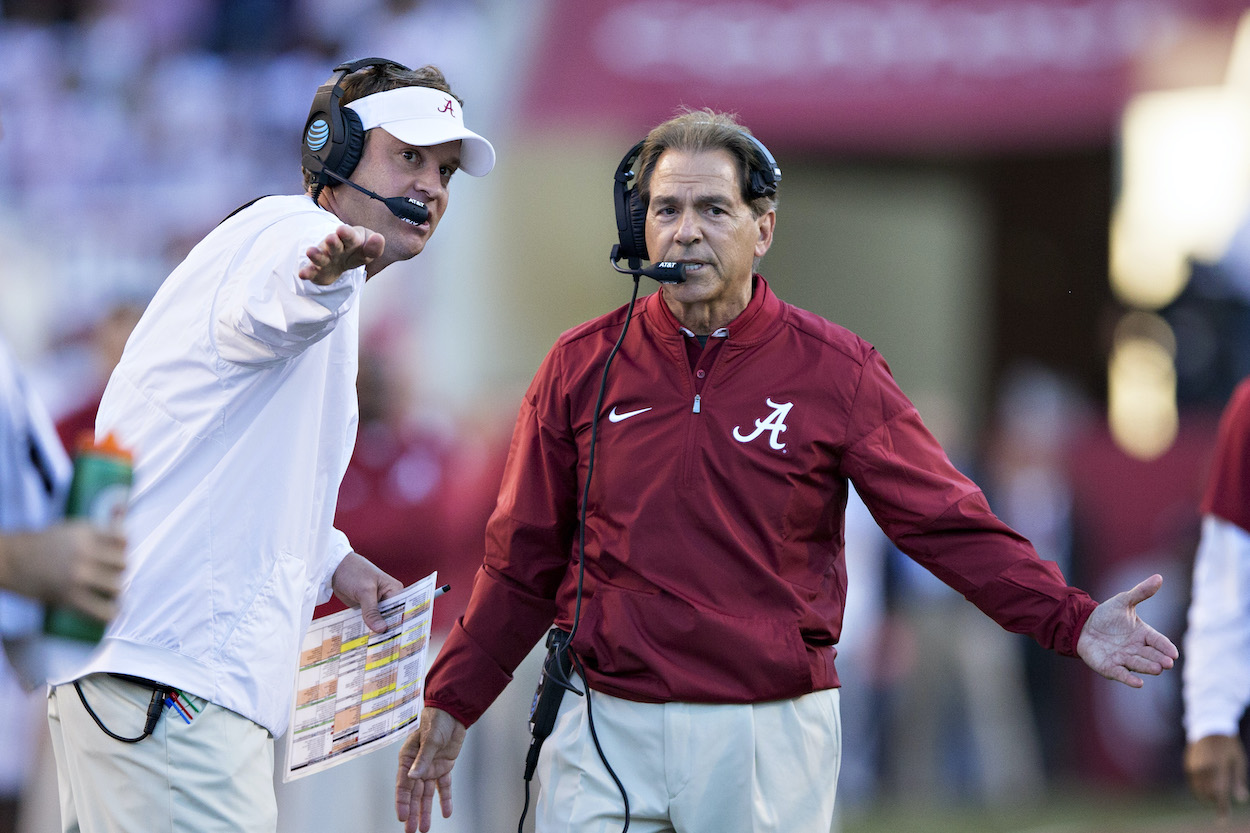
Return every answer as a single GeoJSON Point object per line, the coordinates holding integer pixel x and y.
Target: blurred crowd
{"type": "Point", "coordinates": [134, 126]}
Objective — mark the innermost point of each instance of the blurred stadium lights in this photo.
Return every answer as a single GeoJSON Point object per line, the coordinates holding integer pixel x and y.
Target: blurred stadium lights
{"type": "Point", "coordinates": [1141, 389]}
{"type": "Point", "coordinates": [1186, 168]}
{"type": "Point", "coordinates": [1185, 189]}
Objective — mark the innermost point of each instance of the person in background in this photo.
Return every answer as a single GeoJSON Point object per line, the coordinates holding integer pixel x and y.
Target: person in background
{"type": "Point", "coordinates": [697, 582]}
{"type": "Point", "coordinates": [236, 396]}
{"type": "Point", "coordinates": [104, 340]}
{"type": "Point", "coordinates": [43, 559]}
{"type": "Point", "coordinates": [107, 341]}
{"type": "Point", "coordinates": [1216, 674]}
{"type": "Point", "coordinates": [415, 498]}
{"type": "Point", "coordinates": [961, 725]}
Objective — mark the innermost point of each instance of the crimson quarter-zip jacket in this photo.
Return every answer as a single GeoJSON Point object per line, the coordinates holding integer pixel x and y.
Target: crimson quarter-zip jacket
{"type": "Point", "coordinates": [714, 524]}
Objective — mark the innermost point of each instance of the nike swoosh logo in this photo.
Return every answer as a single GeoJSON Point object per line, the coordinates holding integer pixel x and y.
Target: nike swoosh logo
{"type": "Point", "coordinates": [613, 416]}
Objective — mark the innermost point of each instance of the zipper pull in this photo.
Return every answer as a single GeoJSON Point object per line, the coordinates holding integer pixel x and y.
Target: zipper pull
{"type": "Point", "coordinates": [696, 403]}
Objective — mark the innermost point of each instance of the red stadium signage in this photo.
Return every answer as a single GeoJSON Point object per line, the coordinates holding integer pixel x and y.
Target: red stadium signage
{"type": "Point", "coordinates": [891, 75]}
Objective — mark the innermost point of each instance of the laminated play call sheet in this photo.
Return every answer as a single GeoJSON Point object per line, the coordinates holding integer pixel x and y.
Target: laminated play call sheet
{"type": "Point", "coordinates": [356, 690]}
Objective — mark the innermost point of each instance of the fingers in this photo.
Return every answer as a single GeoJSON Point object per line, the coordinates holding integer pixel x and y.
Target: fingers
{"type": "Point", "coordinates": [73, 564]}
{"type": "Point", "coordinates": [1158, 661]}
{"type": "Point", "coordinates": [409, 791]}
{"type": "Point", "coordinates": [369, 610]}
{"type": "Point", "coordinates": [360, 584]}
{"type": "Point", "coordinates": [97, 607]}
{"type": "Point", "coordinates": [1143, 660]}
{"type": "Point", "coordinates": [373, 619]}
{"type": "Point", "coordinates": [1219, 787]}
{"type": "Point", "coordinates": [100, 566]}
{"type": "Point", "coordinates": [98, 575]}
{"type": "Point", "coordinates": [1121, 674]}
{"type": "Point", "coordinates": [373, 246]}
{"type": "Point", "coordinates": [1216, 769]}
{"type": "Point", "coordinates": [408, 800]}
{"type": "Point", "coordinates": [320, 257]}
{"type": "Point", "coordinates": [1210, 784]}
{"type": "Point", "coordinates": [426, 813]}
{"type": "Point", "coordinates": [439, 739]}
{"type": "Point", "coordinates": [414, 801]}
{"type": "Point", "coordinates": [388, 586]}
{"type": "Point", "coordinates": [444, 795]}
{"type": "Point", "coordinates": [424, 760]}
{"type": "Point", "coordinates": [1143, 665]}
{"type": "Point", "coordinates": [1144, 590]}
{"type": "Point", "coordinates": [383, 587]}
{"type": "Point", "coordinates": [346, 248]}
{"type": "Point", "coordinates": [1164, 646]}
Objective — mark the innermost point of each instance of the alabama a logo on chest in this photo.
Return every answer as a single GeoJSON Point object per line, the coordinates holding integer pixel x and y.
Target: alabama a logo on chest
{"type": "Point", "coordinates": [772, 425]}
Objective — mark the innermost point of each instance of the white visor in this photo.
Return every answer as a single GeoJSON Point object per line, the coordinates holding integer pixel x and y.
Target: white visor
{"type": "Point", "coordinates": [423, 117]}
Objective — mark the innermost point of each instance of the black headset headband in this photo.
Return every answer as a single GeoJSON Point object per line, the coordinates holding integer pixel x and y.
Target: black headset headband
{"type": "Point", "coordinates": [333, 138]}
{"type": "Point", "coordinates": [631, 213]}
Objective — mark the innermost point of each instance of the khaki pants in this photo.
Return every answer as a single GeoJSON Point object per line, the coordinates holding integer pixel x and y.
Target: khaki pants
{"type": "Point", "coordinates": [212, 775]}
{"type": "Point", "coordinates": [692, 768]}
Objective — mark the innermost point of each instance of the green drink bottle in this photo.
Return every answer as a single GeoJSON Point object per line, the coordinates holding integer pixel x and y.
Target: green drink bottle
{"type": "Point", "coordinates": [99, 491]}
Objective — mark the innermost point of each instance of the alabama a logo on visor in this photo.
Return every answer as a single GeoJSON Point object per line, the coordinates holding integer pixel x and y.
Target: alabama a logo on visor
{"type": "Point", "coordinates": [774, 424]}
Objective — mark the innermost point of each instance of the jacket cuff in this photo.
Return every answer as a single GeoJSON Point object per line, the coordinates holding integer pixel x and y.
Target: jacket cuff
{"type": "Point", "coordinates": [461, 658]}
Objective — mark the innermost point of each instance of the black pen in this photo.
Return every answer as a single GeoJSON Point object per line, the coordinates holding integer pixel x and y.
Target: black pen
{"type": "Point", "coordinates": [440, 591]}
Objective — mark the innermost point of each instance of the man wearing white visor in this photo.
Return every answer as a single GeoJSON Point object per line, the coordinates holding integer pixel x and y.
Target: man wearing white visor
{"type": "Point", "coordinates": [236, 396]}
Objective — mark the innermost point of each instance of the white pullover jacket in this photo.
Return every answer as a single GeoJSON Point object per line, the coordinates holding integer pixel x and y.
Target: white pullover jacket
{"type": "Point", "coordinates": [236, 395]}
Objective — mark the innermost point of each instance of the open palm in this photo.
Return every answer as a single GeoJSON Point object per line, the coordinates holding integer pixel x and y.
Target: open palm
{"type": "Point", "coordinates": [1117, 644]}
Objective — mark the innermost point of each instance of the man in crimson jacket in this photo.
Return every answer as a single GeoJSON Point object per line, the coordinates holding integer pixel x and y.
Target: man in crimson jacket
{"type": "Point", "coordinates": [700, 573]}
{"type": "Point", "coordinates": [1217, 643]}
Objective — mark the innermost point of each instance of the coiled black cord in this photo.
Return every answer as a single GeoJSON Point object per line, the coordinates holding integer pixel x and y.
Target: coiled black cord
{"type": "Point", "coordinates": [155, 707]}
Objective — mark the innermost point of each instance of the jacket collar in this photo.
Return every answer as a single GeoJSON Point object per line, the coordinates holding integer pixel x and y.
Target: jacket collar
{"type": "Point", "coordinates": [752, 325]}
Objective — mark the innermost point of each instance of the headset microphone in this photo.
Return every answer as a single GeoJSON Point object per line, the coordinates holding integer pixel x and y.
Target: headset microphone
{"type": "Point", "coordinates": [405, 208]}
{"type": "Point", "coordinates": [665, 271]}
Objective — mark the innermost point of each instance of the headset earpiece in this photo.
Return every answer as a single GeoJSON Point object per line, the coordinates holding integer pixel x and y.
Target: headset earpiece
{"type": "Point", "coordinates": [353, 143]}
{"type": "Point", "coordinates": [333, 138]}
{"type": "Point", "coordinates": [631, 215]}
{"type": "Point", "coordinates": [765, 175]}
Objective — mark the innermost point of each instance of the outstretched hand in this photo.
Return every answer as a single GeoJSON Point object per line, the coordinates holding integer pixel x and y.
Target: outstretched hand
{"type": "Point", "coordinates": [425, 763]}
{"type": "Point", "coordinates": [1117, 644]}
{"type": "Point", "coordinates": [343, 249]}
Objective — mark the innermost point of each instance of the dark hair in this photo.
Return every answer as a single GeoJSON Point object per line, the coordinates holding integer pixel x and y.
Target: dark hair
{"type": "Point", "coordinates": [383, 77]}
{"type": "Point", "coordinates": [695, 131]}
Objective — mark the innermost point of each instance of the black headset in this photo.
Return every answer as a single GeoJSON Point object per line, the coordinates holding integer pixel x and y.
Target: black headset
{"type": "Point", "coordinates": [631, 214]}
{"type": "Point", "coordinates": [333, 137]}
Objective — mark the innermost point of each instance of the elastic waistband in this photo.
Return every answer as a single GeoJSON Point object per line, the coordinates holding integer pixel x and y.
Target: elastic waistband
{"type": "Point", "coordinates": [143, 681]}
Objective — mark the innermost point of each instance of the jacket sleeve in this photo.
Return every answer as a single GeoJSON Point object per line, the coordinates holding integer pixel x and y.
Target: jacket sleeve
{"type": "Point", "coordinates": [941, 519]}
{"type": "Point", "coordinates": [1217, 642]}
{"type": "Point", "coordinates": [265, 313]}
{"type": "Point", "coordinates": [1227, 494]}
{"type": "Point", "coordinates": [338, 548]}
{"type": "Point", "coordinates": [528, 544]}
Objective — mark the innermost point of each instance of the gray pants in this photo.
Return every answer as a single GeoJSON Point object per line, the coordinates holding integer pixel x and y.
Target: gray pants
{"type": "Point", "coordinates": [211, 774]}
